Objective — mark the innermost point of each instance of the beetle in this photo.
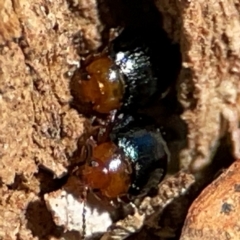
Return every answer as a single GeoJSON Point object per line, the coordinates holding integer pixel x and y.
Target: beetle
{"type": "Point", "coordinates": [132, 162]}
{"type": "Point", "coordinates": [129, 74]}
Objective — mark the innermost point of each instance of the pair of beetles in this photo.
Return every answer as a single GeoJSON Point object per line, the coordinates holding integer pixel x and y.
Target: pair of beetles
{"type": "Point", "coordinates": [134, 71]}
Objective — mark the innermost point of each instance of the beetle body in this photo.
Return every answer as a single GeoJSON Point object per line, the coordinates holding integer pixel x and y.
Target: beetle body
{"type": "Point", "coordinates": [133, 162]}
{"type": "Point", "coordinates": [129, 74]}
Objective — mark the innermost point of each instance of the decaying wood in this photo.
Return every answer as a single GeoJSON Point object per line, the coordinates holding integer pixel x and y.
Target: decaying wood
{"type": "Point", "coordinates": [209, 84]}
{"type": "Point", "coordinates": [214, 214]}
{"type": "Point", "coordinates": [41, 43]}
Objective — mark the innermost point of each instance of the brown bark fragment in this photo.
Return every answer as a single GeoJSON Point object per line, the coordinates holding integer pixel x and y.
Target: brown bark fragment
{"type": "Point", "coordinates": [34, 92]}
{"type": "Point", "coordinates": [9, 26]}
{"type": "Point", "coordinates": [209, 81]}
{"type": "Point", "coordinates": [215, 213]}
{"type": "Point", "coordinates": [38, 49]}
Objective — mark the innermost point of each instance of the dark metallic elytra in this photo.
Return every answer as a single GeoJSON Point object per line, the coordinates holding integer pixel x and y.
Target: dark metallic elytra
{"type": "Point", "coordinates": [146, 151]}
{"type": "Point", "coordinates": [137, 67]}
{"type": "Point", "coordinates": [148, 156]}
{"type": "Point", "coordinates": [146, 59]}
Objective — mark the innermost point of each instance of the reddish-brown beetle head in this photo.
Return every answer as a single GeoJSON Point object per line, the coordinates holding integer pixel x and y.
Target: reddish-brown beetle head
{"type": "Point", "coordinates": [108, 171]}
{"type": "Point", "coordinates": [104, 87]}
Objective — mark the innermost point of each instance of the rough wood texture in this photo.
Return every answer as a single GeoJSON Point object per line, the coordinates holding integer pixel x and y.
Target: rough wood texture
{"type": "Point", "coordinates": [41, 43]}
{"type": "Point", "coordinates": [38, 127]}
{"type": "Point", "coordinates": [209, 83]}
{"type": "Point", "coordinates": [215, 213]}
